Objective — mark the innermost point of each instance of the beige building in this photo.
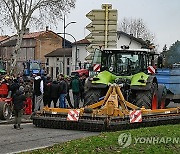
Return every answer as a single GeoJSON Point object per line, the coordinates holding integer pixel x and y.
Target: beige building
{"type": "Point", "coordinates": [56, 60]}
{"type": "Point", "coordinates": [34, 46]}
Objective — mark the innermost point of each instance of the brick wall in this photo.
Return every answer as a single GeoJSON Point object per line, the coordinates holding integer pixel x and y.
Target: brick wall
{"type": "Point", "coordinates": [45, 44]}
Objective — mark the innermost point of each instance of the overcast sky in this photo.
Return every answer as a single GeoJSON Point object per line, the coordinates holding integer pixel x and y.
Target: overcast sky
{"type": "Point", "coordinates": [162, 17]}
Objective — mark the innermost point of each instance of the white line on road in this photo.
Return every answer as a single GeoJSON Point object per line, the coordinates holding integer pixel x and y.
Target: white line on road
{"type": "Point", "coordinates": [30, 149]}
{"type": "Point", "coordinates": [13, 124]}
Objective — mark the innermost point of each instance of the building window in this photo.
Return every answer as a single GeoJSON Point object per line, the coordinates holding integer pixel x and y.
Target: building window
{"type": "Point", "coordinates": [47, 70]}
{"type": "Point", "coordinates": [57, 71]}
{"type": "Point", "coordinates": [52, 72]}
{"type": "Point", "coordinates": [68, 61]}
{"type": "Point", "coordinates": [77, 54]}
{"type": "Point", "coordinates": [60, 67]}
{"type": "Point", "coordinates": [47, 61]}
{"type": "Point", "coordinates": [57, 59]}
{"type": "Point", "coordinates": [68, 71]}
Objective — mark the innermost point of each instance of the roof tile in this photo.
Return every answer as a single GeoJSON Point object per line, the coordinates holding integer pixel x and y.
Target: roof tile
{"type": "Point", "coordinates": [67, 52]}
{"type": "Point", "coordinates": [3, 37]}
{"type": "Point", "coordinates": [34, 34]}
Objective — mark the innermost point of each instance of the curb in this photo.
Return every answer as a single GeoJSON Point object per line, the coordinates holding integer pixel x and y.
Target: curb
{"type": "Point", "coordinates": [11, 121]}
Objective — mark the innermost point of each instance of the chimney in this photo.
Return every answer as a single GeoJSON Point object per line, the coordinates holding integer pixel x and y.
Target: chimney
{"type": "Point", "coordinates": [26, 31]}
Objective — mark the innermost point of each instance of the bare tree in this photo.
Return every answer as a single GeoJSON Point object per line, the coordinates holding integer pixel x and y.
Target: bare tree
{"type": "Point", "coordinates": [23, 13]}
{"type": "Point", "coordinates": [137, 28]}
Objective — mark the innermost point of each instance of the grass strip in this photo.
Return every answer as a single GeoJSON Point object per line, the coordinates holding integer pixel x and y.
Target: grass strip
{"type": "Point", "coordinates": [149, 140]}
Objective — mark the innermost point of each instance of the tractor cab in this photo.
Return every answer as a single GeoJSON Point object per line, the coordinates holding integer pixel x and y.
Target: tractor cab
{"type": "Point", "coordinates": [122, 61]}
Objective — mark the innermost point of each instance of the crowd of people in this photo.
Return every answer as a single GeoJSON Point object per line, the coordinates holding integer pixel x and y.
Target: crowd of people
{"type": "Point", "coordinates": [44, 91]}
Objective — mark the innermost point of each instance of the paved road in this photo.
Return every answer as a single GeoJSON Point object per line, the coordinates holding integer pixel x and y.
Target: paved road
{"type": "Point", "coordinates": [13, 141]}
{"type": "Point", "coordinates": [30, 137]}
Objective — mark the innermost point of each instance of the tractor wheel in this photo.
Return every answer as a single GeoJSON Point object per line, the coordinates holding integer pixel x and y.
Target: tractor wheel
{"type": "Point", "coordinates": [148, 98]}
{"type": "Point", "coordinates": [92, 96]}
{"type": "Point", "coordinates": [5, 111]}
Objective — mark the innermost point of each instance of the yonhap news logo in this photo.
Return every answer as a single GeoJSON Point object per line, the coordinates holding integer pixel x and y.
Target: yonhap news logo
{"type": "Point", "coordinates": [126, 139]}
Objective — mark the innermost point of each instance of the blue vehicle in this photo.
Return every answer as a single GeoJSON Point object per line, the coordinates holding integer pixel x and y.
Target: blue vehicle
{"type": "Point", "coordinates": [170, 77]}
{"type": "Point", "coordinates": [32, 67]}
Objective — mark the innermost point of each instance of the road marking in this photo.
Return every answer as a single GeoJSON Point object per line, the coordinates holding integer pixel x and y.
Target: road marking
{"type": "Point", "coordinates": [13, 124]}
{"type": "Point", "coordinates": [30, 149]}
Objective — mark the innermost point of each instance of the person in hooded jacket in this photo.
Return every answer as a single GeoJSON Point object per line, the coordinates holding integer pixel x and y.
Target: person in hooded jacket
{"type": "Point", "coordinates": [18, 103]}
{"type": "Point", "coordinates": [76, 86]}
{"type": "Point", "coordinates": [14, 87]}
{"type": "Point", "coordinates": [54, 92]}
{"type": "Point", "coordinates": [46, 95]}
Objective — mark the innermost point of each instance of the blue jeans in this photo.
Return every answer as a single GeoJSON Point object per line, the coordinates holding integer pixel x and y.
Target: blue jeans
{"type": "Point", "coordinates": [62, 101]}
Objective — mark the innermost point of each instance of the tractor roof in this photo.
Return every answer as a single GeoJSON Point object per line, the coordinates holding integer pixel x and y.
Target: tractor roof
{"type": "Point", "coordinates": [127, 50]}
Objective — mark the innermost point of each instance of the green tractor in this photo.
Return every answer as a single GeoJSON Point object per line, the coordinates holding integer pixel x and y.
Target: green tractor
{"type": "Point", "coordinates": [127, 67]}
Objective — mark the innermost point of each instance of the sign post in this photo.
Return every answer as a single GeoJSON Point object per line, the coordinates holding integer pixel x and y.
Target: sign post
{"type": "Point", "coordinates": [103, 28]}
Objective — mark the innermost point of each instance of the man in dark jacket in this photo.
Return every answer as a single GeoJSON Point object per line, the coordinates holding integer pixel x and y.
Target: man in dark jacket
{"type": "Point", "coordinates": [38, 92]}
{"type": "Point", "coordinates": [68, 81]}
{"type": "Point", "coordinates": [14, 87]}
{"type": "Point", "coordinates": [62, 91]}
{"type": "Point", "coordinates": [46, 95]}
{"type": "Point", "coordinates": [18, 102]}
{"type": "Point", "coordinates": [54, 92]}
{"type": "Point", "coordinates": [82, 79]}
{"type": "Point", "coordinates": [76, 86]}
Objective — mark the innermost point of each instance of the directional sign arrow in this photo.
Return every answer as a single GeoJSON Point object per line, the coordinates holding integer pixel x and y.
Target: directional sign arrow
{"type": "Point", "coordinates": [90, 38]}
{"type": "Point", "coordinates": [92, 27]}
{"type": "Point", "coordinates": [100, 15]}
{"type": "Point", "coordinates": [91, 48]}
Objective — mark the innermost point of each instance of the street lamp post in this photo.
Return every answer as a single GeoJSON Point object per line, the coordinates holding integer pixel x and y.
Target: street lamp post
{"type": "Point", "coordinates": [75, 45]}
{"type": "Point", "coordinates": [64, 41]}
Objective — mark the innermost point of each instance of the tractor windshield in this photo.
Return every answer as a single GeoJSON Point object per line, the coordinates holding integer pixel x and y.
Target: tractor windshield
{"type": "Point", "coordinates": [97, 57]}
{"type": "Point", "coordinates": [123, 63]}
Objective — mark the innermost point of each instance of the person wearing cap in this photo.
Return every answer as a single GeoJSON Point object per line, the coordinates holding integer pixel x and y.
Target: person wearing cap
{"type": "Point", "coordinates": [82, 93]}
{"type": "Point", "coordinates": [46, 95]}
{"type": "Point", "coordinates": [14, 86]}
{"type": "Point", "coordinates": [62, 91]}
{"type": "Point", "coordinates": [54, 92]}
{"type": "Point", "coordinates": [68, 81]}
{"type": "Point", "coordinates": [38, 93]}
{"type": "Point", "coordinates": [18, 104]}
{"type": "Point", "coordinates": [76, 87]}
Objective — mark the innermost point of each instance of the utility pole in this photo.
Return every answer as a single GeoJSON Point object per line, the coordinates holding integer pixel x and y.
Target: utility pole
{"type": "Point", "coordinates": [64, 41]}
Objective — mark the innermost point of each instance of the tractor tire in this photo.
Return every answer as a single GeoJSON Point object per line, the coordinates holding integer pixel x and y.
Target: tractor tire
{"type": "Point", "coordinates": [148, 98]}
{"type": "Point", "coordinates": [5, 111]}
{"type": "Point", "coordinates": [92, 96]}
